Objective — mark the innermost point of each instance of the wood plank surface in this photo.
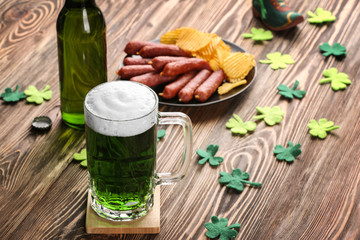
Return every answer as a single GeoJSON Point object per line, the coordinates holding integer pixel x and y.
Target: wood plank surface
{"type": "Point", "coordinates": [43, 193]}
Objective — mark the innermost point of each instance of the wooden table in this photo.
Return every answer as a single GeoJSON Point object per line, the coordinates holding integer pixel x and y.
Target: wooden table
{"type": "Point", "coordinates": [43, 192]}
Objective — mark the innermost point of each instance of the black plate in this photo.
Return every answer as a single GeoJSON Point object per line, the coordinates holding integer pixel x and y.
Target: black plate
{"type": "Point", "coordinates": [215, 98]}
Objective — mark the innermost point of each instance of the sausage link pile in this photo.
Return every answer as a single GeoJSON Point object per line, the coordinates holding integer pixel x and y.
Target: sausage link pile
{"type": "Point", "coordinates": [185, 76]}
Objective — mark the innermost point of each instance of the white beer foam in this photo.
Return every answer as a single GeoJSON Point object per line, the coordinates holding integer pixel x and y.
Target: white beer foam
{"type": "Point", "coordinates": [121, 108]}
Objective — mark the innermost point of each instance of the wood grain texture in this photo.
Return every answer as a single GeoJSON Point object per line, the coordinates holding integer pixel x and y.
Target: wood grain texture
{"type": "Point", "coordinates": [43, 194]}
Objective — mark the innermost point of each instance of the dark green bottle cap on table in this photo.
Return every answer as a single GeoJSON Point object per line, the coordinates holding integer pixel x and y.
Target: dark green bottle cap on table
{"type": "Point", "coordinates": [42, 123]}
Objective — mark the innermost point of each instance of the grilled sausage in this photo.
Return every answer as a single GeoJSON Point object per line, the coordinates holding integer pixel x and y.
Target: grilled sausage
{"type": "Point", "coordinates": [152, 79]}
{"type": "Point", "coordinates": [187, 92]}
{"type": "Point", "coordinates": [207, 88]}
{"type": "Point", "coordinates": [136, 61]}
{"type": "Point", "coordinates": [129, 71]}
{"type": "Point", "coordinates": [183, 66]}
{"type": "Point", "coordinates": [158, 63]}
{"type": "Point", "coordinates": [173, 88]}
{"type": "Point", "coordinates": [159, 49]}
{"type": "Point", "coordinates": [133, 47]}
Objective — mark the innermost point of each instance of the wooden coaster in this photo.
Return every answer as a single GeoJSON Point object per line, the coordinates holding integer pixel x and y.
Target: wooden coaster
{"type": "Point", "coordinates": [149, 224]}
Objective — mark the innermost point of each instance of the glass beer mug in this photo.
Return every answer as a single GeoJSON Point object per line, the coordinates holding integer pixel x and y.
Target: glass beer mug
{"type": "Point", "coordinates": [121, 120]}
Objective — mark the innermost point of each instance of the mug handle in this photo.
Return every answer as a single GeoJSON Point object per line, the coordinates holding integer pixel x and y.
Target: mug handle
{"type": "Point", "coordinates": [178, 118]}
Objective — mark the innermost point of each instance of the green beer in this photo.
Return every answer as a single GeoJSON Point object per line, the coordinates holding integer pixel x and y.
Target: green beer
{"type": "Point", "coordinates": [81, 35]}
{"type": "Point", "coordinates": [122, 169]}
{"type": "Point", "coordinates": [121, 134]}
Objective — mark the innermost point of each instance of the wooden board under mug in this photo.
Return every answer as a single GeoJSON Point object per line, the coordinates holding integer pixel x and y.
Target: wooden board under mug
{"type": "Point", "coordinates": [149, 224]}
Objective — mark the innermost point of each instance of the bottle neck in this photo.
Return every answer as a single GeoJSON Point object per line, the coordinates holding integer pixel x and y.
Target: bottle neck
{"type": "Point", "coordinates": [79, 3]}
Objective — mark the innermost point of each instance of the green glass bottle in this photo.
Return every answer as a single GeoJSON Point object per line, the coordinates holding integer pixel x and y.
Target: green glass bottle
{"type": "Point", "coordinates": [81, 36]}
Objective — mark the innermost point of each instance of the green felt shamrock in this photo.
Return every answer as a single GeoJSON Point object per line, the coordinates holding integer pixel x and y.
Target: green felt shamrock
{"type": "Point", "coordinates": [259, 34]}
{"type": "Point", "coordinates": [338, 80]}
{"type": "Point", "coordinates": [160, 134]}
{"type": "Point", "coordinates": [288, 154]}
{"type": "Point", "coordinates": [209, 155]}
{"type": "Point", "coordinates": [10, 96]}
{"type": "Point", "coordinates": [38, 97]}
{"type": "Point", "coordinates": [319, 129]}
{"type": "Point", "coordinates": [321, 16]}
{"type": "Point", "coordinates": [336, 49]}
{"type": "Point", "coordinates": [276, 60]}
{"type": "Point", "coordinates": [81, 157]}
{"type": "Point", "coordinates": [236, 180]}
{"type": "Point", "coordinates": [290, 93]}
{"type": "Point", "coordinates": [237, 125]}
{"type": "Point", "coordinates": [218, 227]}
{"type": "Point", "coordinates": [271, 116]}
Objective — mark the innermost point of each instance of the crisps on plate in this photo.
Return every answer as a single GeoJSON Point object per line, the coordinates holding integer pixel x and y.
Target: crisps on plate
{"type": "Point", "coordinates": [172, 36]}
{"type": "Point", "coordinates": [210, 47]}
{"type": "Point", "coordinates": [226, 87]}
{"type": "Point", "coordinates": [192, 40]}
{"type": "Point", "coordinates": [238, 65]}
{"type": "Point", "coordinates": [217, 60]}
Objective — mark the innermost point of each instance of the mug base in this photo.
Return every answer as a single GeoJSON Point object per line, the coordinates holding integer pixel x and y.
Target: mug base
{"type": "Point", "coordinates": [121, 216]}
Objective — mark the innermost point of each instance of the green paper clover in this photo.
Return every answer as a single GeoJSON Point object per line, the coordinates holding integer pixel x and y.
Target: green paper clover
{"type": "Point", "coordinates": [38, 97]}
{"type": "Point", "coordinates": [271, 116]}
{"type": "Point", "coordinates": [236, 180]}
{"type": "Point", "coordinates": [10, 96]}
{"type": "Point", "coordinates": [321, 16]}
{"type": "Point", "coordinates": [320, 129]}
{"type": "Point", "coordinates": [288, 154]}
{"type": "Point", "coordinates": [237, 125]}
{"type": "Point", "coordinates": [209, 155]}
{"type": "Point", "coordinates": [81, 157]}
{"type": "Point", "coordinates": [259, 34]}
{"type": "Point", "coordinates": [276, 60]}
{"type": "Point", "coordinates": [337, 49]}
{"type": "Point", "coordinates": [218, 227]}
{"type": "Point", "coordinates": [290, 93]}
{"type": "Point", "coordinates": [338, 80]}
{"type": "Point", "coordinates": [160, 134]}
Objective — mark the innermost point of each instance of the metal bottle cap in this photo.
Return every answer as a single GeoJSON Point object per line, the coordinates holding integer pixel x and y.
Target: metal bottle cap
{"type": "Point", "coordinates": [42, 123]}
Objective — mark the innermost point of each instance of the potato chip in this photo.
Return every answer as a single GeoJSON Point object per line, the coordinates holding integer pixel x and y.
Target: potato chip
{"type": "Point", "coordinates": [214, 64]}
{"type": "Point", "coordinates": [224, 47]}
{"type": "Point", "coordinates": [238, 65]}
{"type": "Point", "coordinates": [209, 49]}
{"type": "Point", "coordinates": [216, 60]}
{"type": "Point", "coordinates": [172, 36]}
{"type": "Point", "coordinates": [222, 54]}
{"type": "Point", "coordinates": [192, 40]}
{"type": "Point", "coordinates": [227, 87]}
{"type": "Point", "coordinates": [235, 80]}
